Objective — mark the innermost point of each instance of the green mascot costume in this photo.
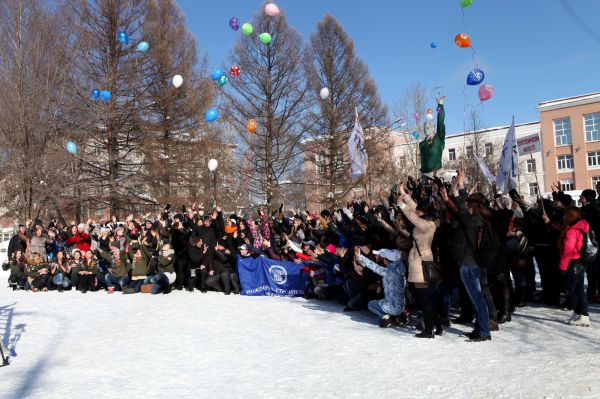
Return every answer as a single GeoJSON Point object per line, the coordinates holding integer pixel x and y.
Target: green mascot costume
{"type": "Point", "coordinates": [432, 146]}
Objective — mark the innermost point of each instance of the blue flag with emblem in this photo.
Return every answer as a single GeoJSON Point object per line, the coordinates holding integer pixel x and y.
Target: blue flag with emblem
{"type": "Point", "coordinates": [267, 277]}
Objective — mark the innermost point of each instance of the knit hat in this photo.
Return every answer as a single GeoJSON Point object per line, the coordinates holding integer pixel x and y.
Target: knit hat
{"type": "Point", "coordinates": [589, 195]}
{"type": "Point", "coordinates": [331, 249]}
{"type": "Point", "coordinates": [564, 199]}
{"type": "Point", "coordinates": [81, 226]}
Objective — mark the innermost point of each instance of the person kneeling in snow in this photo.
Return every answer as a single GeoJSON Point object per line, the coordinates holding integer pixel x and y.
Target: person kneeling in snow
{"type": "Point", "coordinates": [391, 307]}
{"type": "Point", "coordinates": [166, 272]}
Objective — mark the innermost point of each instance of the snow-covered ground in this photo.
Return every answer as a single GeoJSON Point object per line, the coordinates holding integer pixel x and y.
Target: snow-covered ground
{"type": "Point", "coordinates": [68, 345]}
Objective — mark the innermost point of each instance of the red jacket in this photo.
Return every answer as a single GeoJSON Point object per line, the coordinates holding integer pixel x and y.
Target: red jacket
{"type": "Point", "coordinates": [81, 240]}
{"type": "Point", "coordinates": [571, 246]}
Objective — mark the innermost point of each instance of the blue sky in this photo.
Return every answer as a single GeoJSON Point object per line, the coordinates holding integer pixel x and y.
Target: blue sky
{"type": "Point", "coordinates": [531, 50]}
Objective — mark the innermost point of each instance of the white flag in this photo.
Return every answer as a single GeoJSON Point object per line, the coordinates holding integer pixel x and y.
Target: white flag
{"type": "Point", "coordinates": [356, 150]}
{"type": "Point", "coordinates": [486, 170]}
{"type": "Point", "coordinates": [508, 166]}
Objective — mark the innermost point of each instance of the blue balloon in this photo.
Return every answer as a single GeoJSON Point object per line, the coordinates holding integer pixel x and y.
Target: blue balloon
{"type": "Point", "coordinates": [123, 37]}
{"type": "Point", "coordinates": [216, 74]}
{"type": "Point", "coordinates": [433, 45]}
{"type": "Point", "coordinates": [72, 147]}
{"type": "Point", "coordinates": [95, 94]}
{"type": "Point", "coordinates": [212, 115]}
{"type": "Point", "coordinates": [143, 47]}
{"type": "Point", "coordinates": [475, 77]}
{"type": "Point", "coordinates": [415, 135]}
{"type": "Point", "coordinates": [105, 95]}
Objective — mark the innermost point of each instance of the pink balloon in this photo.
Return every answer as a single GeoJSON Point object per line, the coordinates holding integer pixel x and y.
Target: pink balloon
{"type": "Point", "coordinates": [272, 10]}
{"type": "Point", "coordinates": [486, 92]}
{"type": "Point", "coordinates": [416, 115]}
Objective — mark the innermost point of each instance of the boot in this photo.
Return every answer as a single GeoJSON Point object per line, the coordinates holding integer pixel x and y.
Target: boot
{"type": "Point", "coordinates": [425, 334]}
{"type": "Point", "coordinates": [386, 321]}
{"type": "Point", "coordinates": [504, 318]}
{"type": "Point", "coordinates": [494, 325]}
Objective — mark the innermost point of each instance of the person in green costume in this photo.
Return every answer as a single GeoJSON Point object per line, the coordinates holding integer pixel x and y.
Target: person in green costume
{"type": "Point", "coordinates": [432, 146]}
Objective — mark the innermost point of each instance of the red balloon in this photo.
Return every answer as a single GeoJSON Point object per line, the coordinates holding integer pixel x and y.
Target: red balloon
{"type": "Point", "coordinates": [462, 40]}
{"type": "Point", "coordinates": [234, 71]}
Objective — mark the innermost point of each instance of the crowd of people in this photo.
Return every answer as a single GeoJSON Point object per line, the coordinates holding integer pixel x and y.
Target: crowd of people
{"type": "Point", "coordinates": [414, 249]}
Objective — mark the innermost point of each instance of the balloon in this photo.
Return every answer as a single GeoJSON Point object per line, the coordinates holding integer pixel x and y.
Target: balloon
{"type": "Point", "coordinates": [475, 77]}
{"type": "Point", "coordinates": [216, 74]}
{"type": "Point", "coordinates": [272, 10]}
{"type": "Point", "coordinates": [462, 40]}
{"type": "Point", "coordinates": [415, 135]}
{"type": "Point", "coordinates": [212, 115]}
{"type": "Point", "coordinates": [95, 94]}
{"type": "Point", "coordinates": [234, 71]}
{"type": "Point", "coordinates": [466, 3]}
{"type": "Point", "coordinates": [429, 115]}
{"type": "Point", "coordinates": [251, 126]}
{"type": "Point", "coordinates": [433, 45]}
{"type": "Point", "coordinates": [234, 23]}
{"type": "Point", "coordinates": [485, 92]}
{"type": "Point", "coordinates": [105, 95]}
{"type": "Point", "coordinates": [324, 93]}
{"type": "Point", "coordinates": [123, 37]}
{"type": "Point", "coordinates": [416, 115]}
{"type": "Point", "coordinates": [177, 81]}
{"type": "Point", "coordinates": [247, 29]}
{"type": "Point", "coordinates": [265, 38]}
{"type": "Point", "coordinates": [223, 81]}
{"type": "Point", "coordinates": [143, 47]}
{"type": "Point", "coordinates": [213, 164]}
{"type": "Point", "coordinates": [72, 147]}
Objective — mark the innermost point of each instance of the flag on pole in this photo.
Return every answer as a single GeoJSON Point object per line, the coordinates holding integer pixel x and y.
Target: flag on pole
{"type": "Point", "coordinates": [508, 166]}
{"type": "Point", "coordinates": [356, 150]}
{"type": "Point", "coordinates": [489, 175]}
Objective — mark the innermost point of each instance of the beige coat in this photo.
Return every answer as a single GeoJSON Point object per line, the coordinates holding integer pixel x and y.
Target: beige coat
{"type": "Point", "coordinates": [423, 235]}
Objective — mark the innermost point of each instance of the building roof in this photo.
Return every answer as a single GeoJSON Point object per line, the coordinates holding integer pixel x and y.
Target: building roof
{"type": "Point", "coordinates": [569, 102]}
{"type": "Point", "coordinates": [491, 129]}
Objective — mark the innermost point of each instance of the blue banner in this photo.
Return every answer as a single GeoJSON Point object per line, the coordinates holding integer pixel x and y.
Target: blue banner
{"type": "Point", "coordinates": [266, 277]}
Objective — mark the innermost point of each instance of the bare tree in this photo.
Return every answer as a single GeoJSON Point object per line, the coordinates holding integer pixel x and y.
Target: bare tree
{"type": "Point", "coordinates": [271, 90]}
{"type": "Point", "coordinates": [35, 44]}
{"type": "Point", "coordinates": [333, 64]}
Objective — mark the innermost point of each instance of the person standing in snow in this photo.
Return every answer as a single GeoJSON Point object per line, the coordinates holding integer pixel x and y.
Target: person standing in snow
{"type": "Point", "coordinates": [572, 241]}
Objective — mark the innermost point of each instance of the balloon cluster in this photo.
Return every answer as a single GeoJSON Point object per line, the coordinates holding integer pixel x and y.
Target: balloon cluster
{"type": "Point", "coordinates": [103, 95]}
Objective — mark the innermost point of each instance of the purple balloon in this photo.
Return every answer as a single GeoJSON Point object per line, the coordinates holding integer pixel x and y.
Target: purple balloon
{"type": "Point", "coordinates": [234, 23]}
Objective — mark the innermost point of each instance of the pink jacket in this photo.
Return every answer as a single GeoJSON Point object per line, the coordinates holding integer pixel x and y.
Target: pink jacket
{"type": "Point", "coordinates": [572, 244]}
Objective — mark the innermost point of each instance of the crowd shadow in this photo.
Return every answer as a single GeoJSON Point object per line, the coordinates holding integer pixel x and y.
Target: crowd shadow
{"type": "Point", "coordinates": [11, 333]}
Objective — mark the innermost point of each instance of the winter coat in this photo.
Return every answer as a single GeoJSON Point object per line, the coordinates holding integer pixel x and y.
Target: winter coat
{"type": "Point", "coordinates": [393, 284]}
{"type": "Point", "coordinates": [139, 266]}
{"type": "Point", "coordinates": [165, 261]}
{"type": "Point", "coordinates": [572, 243]}
{"type": "Point", "coordinates": [221, 262]}
{"type": "Point", "coordinates": [81, 240]}
{"type": "Point", "coordinates": [38, 244]}
{"type": "Point", "coordinates": [17, 270]}
{"type": "Point", "coordinates": [423, 235]}
{"type": "Point", "coordinates": [197, 258]}
{"type": "Point", "coordinates": [17, 243]}
{"type": "Point", "coordinates": [466, 229]}
{"type": "Point", "coordinates": [591, 213]}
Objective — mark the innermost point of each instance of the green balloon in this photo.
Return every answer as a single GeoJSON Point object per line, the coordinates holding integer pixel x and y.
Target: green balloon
{"type": "Point", "coordinates": [247, 29]}
{"type": "Point", "coordinates": [223, 81]}
{"type": "Point", "coordinates": [265, 38]}
{"type": "Point", "coordinates": [466, 3]}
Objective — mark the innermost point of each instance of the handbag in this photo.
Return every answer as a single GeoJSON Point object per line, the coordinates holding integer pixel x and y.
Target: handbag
{"type": "Point", "coordinates": [432, 270]}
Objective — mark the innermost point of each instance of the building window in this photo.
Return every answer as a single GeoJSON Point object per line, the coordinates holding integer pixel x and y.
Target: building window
{"type": "Point", "coordinates": [595, 181]}
{"type": "Point", "coordinates": [489, 149]}
{"type": "Point", "coordinates": [562, 131]}
{"type": "Point", "coordinates": [452, 154]}
{"type": "Point", "coordinates": [592, 127]}
{"type": "Point", "coordinates": [531, 166]}
{"type": "Point", "coordinates": [320, 161]}
{"type": "Point", "coordinates": [593, 158]}
{"type": "Point", "coordinates": [403, 162]}
{"type": "Point", "coordinates": [533, 189]}
{"type": "Point", "coordinates": [469, 152]}
{"type": "Point", "coordinates": [567, 185]}
{"type": "Point", "coordinates": [565, 162]}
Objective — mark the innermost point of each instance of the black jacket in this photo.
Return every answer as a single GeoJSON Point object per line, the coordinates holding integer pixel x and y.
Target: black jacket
{"type": "Point", "coordinates": [221, 262]}
{"type": "Point", "coordinates": [466, 232]}
{"type": "Point", "coordinates": [16, 244]}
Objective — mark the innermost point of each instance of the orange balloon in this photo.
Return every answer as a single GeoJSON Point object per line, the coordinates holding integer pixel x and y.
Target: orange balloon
{"type": "Point", "coordinates": [462, 40]}
{"type": "Point", "coordinates": [251, 126]}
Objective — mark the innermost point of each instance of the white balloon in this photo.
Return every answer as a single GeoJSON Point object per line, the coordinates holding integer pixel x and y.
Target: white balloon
{"type": "Point", "coordinates": [324, 93]}
{"type": "Point", "coordinates": [213, 164]}
{"type": "Point", "coordinates": [177, 81]}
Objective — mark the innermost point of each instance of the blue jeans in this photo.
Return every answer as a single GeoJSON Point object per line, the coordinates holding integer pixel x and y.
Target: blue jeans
{"type": "Point", "coordinates": [375, 307]}
{"type": "Point", "coordinates": [111, 281]}
{"type": "Point", "coordinates": [470, 278]}
{"type": "Point", "coordinates": [61, 280]}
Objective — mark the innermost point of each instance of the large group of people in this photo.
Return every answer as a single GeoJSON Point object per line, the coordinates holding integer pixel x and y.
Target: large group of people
{"type": "Point", "coordinates": [407, 253]}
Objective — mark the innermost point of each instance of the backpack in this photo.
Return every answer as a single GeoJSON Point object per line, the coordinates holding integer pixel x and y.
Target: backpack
{"type": "Point", "coordinates": [589, 248]}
